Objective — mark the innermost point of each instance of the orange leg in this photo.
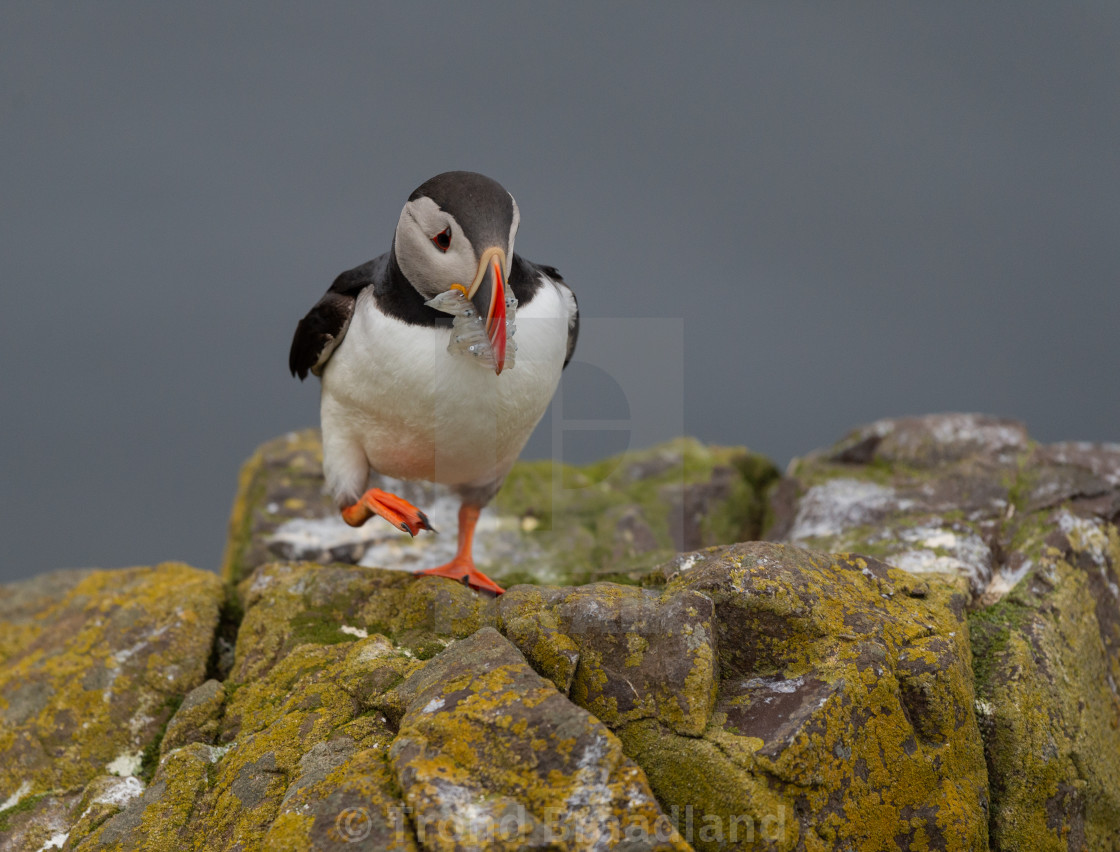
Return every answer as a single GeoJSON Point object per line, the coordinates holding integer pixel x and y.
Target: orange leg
{"type": "Point", "coordinates": [462, 568]}
{"type": "Point", "coordinates": [398, 512]}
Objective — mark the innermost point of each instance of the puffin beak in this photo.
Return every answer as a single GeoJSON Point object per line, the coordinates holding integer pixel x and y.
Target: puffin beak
{"type": "Point", "coordinates": [489, 296]}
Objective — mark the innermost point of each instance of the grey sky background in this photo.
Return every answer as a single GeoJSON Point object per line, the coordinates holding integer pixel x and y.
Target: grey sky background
{"type": "Point", "coordinates": [853, 213]}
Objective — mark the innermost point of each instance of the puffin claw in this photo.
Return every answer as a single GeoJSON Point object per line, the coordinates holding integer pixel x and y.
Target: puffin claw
{"type": "Point", "coordinates": [463, 571]}
{"type": "Point", "coordinates": [396, 510]}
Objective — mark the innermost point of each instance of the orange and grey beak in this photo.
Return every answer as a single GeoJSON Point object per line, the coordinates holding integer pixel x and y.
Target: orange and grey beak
{"type": "Point", "coordinates": [489, 296]}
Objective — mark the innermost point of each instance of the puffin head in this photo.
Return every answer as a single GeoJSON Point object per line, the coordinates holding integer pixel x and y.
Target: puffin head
{"type": "Point", "coordinates": [457, 231]}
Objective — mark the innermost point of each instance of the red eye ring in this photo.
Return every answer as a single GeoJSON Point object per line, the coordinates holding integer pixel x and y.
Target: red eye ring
{"type": "Point", "coordinates": [443, 239]}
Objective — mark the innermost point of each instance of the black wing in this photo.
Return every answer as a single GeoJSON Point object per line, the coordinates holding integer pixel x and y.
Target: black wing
{"type": "Point", "coordinates": [573, 316]}
{"type": "Point", "coordinates": [320, 332]}
{"type": "Point", "coordinates": [526, 278]}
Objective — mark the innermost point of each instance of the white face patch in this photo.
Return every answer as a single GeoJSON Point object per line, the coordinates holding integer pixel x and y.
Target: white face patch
{"type": "Point", "coordinates": [430, 269]}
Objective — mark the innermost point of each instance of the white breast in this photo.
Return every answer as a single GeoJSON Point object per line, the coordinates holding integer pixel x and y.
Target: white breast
{"type": "Point", "coordinates": [396, 401]}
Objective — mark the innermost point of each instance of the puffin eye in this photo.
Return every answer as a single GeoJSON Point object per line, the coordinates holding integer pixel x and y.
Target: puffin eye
{"type": "Point", "coordinates": [443, 239]}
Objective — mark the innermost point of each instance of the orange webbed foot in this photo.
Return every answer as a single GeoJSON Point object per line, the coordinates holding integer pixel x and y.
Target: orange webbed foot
{"type": "Point", "coordinates": [462, 570]}
{"type": "Point", "coordinates": [396, 510]}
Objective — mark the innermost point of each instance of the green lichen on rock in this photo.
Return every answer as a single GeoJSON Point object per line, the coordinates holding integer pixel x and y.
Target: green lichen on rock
{"type": "Point", "coordinates": [1046, 694]}
{"type": "Point", "coordinates": [617, 518]}
{"type": "Point", "coordinates": [309, 750]}
{"type": "Point", "coordinates": [196, 719]}
{"type": "Point", "coordinates": [754, 696]}
{"type": "Point", "coordinates": [927, 495]}
{"type": "Point", "coordinates": [843, 717]}
{"type": "Point", "coordinates": [755, 685]}
{"type": "Point", "coordinates": [23, 806]}
{"type": "Point", "coordinates": [778, 698]}
{"type": "Point", "coordinates": [614, 519]}
{"type": "Point", "coordinates": [37, 821]}
{"type": "Point", "coordinates": [149, 757]}
{"type": "Point", "coordinates": [91, 676]}
{"type": "Point", "coordinates": [158, 818]}
{"type": "Point", "coordinates": [289, 604]}
{"type": "Point", "coordinates": [1032, 528]}
{"type": "Point", "coordinates": [536, 632]}
{"type": "Point", "coordinates": [282, 479]}
{"type": "Point", "coordinates": [344, 797]}
{"type": "Point", "coordinates": [274, 723]}
{"type": "Point", "coordinates": [490, 755]}
{"type": "Point", "coordinates": [624, 653]}
{"type": "Point", "coordinates": [705, 792]}
{"type": "Point", "coordinates": [283, 738]}
{"type": "Point", "coordinates": [103, 798]}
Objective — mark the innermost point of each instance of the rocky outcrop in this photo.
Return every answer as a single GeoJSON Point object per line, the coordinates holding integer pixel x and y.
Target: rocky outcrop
{"type": "Point", "coordinates": [1033, 531]}
{"type": "Point", "coordinates": [802, 694]}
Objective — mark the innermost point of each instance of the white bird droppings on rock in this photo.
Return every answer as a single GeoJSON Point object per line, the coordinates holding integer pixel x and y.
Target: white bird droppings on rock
{"type": "Point", "coordinates": [955, 429]}
{"type": "Point", "coordinates": [378, 544]}
{"type": "Point", "coordinates": [309, 536]}
{"type": "Point", "coordinates": [786, 686]}
{"type": "Point", "coordinates": [121, 792]}
{"type": "Point", "coordinates": [941, 538]}
{"type": "Point", "coordinates": [1004, 581]}
{"type": "Point", "coordinates": [840, 504]}
{"type": "Point", "coordinates": [17, 796]}
{"type": "Point", "coordinates": [126, 764]}
{"type": "Point", "coordinates": [56, 841]}
{"type": "Point", "coordinates": [1085, 535]}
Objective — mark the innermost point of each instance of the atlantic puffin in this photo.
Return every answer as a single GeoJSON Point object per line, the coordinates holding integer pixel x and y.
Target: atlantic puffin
{"type": "Point", "coordinates": [410, 388]}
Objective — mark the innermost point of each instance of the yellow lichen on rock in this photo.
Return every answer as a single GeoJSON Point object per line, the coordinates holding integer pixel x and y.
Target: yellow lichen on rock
{"type": "Point", "coordinates": [824, 707]}
{"type": "Point", "coordinates": [632, 653]}
{"type": "Point", "coordinates": [1032, 530]}
{"type": "Point", "coordinates": [752, 696]}
{"type": "Point", "coordinates": [467, 772]}
{"type": "Point", "coordinates": [91, 676]}
{"type": "Point", "coordinates": [295, 745]}
{"type": "Point", "coordinates": [1048, 700]}
{"type": "Point", "coordinates": [286, 468]}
